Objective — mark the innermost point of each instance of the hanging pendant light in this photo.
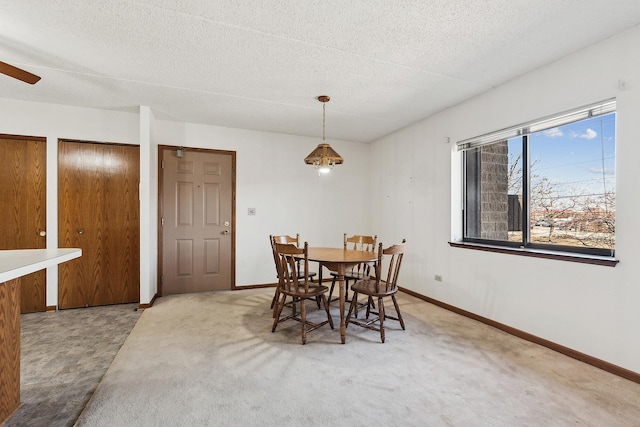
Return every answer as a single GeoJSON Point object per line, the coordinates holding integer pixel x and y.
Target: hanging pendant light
{"type": "Point", "coordinates": [323, 158]}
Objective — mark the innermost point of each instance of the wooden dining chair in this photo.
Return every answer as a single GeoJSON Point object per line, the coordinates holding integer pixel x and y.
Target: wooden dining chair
{"type": "Point", "coordinates": [293, 240]}
{"type": "Point", "coordinates": [300, 290]}
{"type": "Point", "coordinates": [379, 288]}
{"type": "Point", "coordinates": [361, 271]}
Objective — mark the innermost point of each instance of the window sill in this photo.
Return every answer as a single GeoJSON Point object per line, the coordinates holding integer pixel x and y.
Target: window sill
{"type": "Point", "coordinates": [538, 253]}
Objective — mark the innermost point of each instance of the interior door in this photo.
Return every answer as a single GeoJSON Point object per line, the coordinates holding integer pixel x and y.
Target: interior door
{"type": "Point", "coordinates": [23, 203]}
{"type": "Point", "coordinates": [99, 211]}
{"type": "Point", "coordinates": [197, 228]}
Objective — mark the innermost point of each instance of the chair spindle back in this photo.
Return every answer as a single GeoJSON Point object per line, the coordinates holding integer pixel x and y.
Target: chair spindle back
{"type": "Point", "coordinates": [360, 243]}
{"type": "Point", "coordinates": [291, 276]}
{"type": "Point", "coordinates": [395, 261]}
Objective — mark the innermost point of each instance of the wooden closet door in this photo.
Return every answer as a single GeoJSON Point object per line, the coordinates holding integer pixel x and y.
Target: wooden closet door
{"type": "Point", "coordinates": [23, 202]}
{"type": "Point", "coordinates": [98, 211]}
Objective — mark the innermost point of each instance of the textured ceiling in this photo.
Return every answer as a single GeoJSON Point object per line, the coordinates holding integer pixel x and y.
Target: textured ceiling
{"type": "Point", "coordinates": [260, 64]}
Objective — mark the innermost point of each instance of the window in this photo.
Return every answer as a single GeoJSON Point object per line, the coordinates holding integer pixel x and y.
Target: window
{"type": "Point", "coordinates": [548, 184]}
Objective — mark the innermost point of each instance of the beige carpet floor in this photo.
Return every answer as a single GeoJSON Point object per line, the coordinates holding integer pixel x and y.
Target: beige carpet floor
{"type": "Point", "coordinates": [211, 360]}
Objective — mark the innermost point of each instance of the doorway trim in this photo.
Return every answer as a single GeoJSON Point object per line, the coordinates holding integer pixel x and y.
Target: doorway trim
{"type": "Point", "coordinates": [161, 150]}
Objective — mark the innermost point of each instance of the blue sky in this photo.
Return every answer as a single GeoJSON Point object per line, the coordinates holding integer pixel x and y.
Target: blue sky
{"type": "Point", "coordinates": [575, 154]}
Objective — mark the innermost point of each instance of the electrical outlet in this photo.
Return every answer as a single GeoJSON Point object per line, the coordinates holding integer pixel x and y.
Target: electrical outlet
{"type": "Point", "coordinates": [438, 278]}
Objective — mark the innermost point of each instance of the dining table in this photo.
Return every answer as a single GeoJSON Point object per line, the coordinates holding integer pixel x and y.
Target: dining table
{"type": "Point", "coordinates": [339, 260]}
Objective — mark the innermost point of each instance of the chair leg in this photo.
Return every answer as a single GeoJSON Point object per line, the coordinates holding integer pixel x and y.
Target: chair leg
{"type": "Point", "coordinates": [318, 302]}
{"type": "Point", "coordinates": [275, 297]}
{"type": "Point", "coordinates": [277, 311]}
{"type": "Point", "coordinates": [346, 322]}
{"type": "Point", "coordinates": [303, 317]}
{"type": "Point", "coordinates": [381, 317]}
{"type": "Point", "coordinates": [346, 289]}
{"type": "Point", "coordinates": [274, 301]}
{"type": "Point", "coordinates": [354, 298]}
{"type": "Point", "coordinates": [369, 302]}
{"type": "Point", "coordinates": [395, 304]}
{"type": "Point", "coordinates": [326, 307]}
{"type": "Point", "coordinates": [333, 283]}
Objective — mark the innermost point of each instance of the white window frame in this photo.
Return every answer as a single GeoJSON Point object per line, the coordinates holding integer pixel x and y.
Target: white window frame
{"type": "Point", "coordinates": [589, 111]}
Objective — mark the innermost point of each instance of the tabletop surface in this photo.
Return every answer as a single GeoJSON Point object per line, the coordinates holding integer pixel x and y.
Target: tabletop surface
{"type": "Point", "coordinates": [340, 255]}
{"type": "Point", "coordinates": [20, 262]}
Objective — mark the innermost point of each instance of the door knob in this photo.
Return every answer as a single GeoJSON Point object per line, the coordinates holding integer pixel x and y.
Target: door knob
{"type": "Point", "coordinates": [43, 233]}
{"type": "Point", "coordinates": [81, 231]}
{"type": "Point", "coordinates": [225, 232]}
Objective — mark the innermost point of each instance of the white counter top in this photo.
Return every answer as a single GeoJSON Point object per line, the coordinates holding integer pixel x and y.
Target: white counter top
{"type": "Point", "coordinates": [18, 263]}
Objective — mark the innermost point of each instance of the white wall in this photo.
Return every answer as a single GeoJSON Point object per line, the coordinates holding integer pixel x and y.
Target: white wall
{"type": "Point", "coordinates": [148, 206]}
{"type": "Point", "coordinates": [271, 176]}
{"type": "Point", "coordinates": [54, 122]}
{"type": "Point", "coordinates": [288, 195]}
{"type": "Point", "coordinates": [416, 193]}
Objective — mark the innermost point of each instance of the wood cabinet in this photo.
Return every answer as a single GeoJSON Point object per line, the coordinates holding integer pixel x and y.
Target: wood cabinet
{"type": "Point", "coordinates": [9, 348]}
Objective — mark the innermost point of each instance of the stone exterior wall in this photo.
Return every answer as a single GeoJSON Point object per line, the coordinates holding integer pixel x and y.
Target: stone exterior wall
{"type": "Point", "coordinates": [493, 191]}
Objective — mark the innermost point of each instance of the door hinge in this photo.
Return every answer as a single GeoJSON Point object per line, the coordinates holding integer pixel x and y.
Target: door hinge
{"type": "Point", "coordinates": [162, 165]}
{"type": "Point", "coordinates": [162, 222]}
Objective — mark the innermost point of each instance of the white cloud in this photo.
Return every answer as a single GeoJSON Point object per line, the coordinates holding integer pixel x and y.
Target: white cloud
{"type": "Point", "coordinates": [553, 132]}
{"type": "Point", "coordinates": [607, 171]}
{"type": "Point", "coordinates": [589, 134]}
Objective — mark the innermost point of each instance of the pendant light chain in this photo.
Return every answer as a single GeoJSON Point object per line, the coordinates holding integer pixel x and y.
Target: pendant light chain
{"type": "Point", "coordinates": [324, 104]}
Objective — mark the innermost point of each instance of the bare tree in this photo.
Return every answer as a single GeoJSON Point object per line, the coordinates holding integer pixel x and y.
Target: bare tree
{"type": "Point", "coordinates": [574, 216]}
{"type": "Point", "coordinates": [595, 220]}
{"type": "Point", "coordinates": [514, 174]}
{"type": "Point", "coordinates": [555, 207]}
